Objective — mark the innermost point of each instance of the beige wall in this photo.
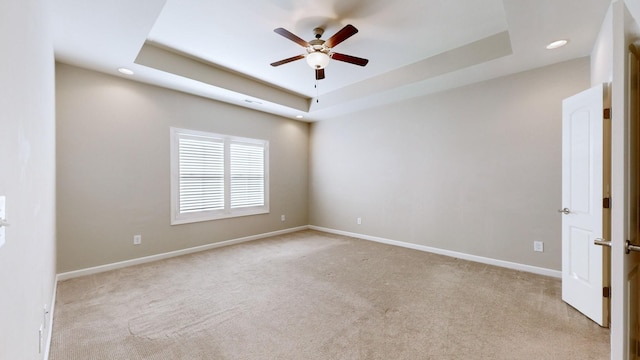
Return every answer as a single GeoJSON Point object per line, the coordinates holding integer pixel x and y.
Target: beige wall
{"type": "Point", "coordinates": [113, 168]}
{"type": "Point", "coordinates": [475, 170]}
{"type": "Point", "coordinates": [27, 176]}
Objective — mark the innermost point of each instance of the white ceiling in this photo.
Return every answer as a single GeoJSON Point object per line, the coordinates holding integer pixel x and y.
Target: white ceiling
{"type": "Point", "coordinates": [222, 49]}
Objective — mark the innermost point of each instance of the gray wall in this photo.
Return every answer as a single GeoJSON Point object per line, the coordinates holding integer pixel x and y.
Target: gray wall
{"type": "Point", "coordinates": [475, 170]}
{"type": "Point", "coordinates": [113, 168]}
{"type": "Point", "coordinates": [27, 175]}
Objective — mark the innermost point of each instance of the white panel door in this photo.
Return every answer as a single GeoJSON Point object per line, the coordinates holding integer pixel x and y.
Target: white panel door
{"type": "Point", "coordinates": [583, 273]}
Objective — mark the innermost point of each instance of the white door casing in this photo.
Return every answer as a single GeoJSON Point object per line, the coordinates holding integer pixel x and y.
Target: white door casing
{"type": "Point", "coordinates": [632, 260]}
{"type": "Point", "coordinates": [583, 188]}
{"type": "Point", "coordinates": [625, 182]}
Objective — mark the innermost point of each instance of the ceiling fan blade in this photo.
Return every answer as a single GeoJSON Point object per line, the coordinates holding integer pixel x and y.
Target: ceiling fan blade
{"type": "Point", "coordinates": [319, 74]}
{"type": "Point", "coordinates": [349, 59]}
{"type": "Point", "coordinates": [288, 60]}
{"type": "Point", "coordinates": [289, 35]}
{"type": "Point", "coordinates": [342, 35]}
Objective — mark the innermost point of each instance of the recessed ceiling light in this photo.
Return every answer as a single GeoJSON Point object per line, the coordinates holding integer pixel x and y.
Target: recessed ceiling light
{"type": "Point", "coordinates": [299, 116]}
{"type": "Point", "coordinates": [125, 71]}
{"type": "Point", "coordinates": [556, 44]}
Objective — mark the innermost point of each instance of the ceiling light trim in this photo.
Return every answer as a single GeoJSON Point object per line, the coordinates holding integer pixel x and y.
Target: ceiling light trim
{"type": "Point", "coordinates": [125, 71]}
{"type": "Point", "coordinates": [557, 44]}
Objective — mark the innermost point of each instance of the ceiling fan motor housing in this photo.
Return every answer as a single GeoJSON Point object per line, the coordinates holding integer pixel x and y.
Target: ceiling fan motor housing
{"type": "Point", "coordinates": [317, 45]}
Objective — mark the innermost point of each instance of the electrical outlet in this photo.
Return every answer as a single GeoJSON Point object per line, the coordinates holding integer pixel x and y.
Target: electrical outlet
{"type": "Point", "coordinates": [283, 218]}
{"type": "Point", "coordinates": [538, 246]}
{"type": "Point", "coordinates": [137, 239]}
{"type": "Point", "coordinates": [359, 221]}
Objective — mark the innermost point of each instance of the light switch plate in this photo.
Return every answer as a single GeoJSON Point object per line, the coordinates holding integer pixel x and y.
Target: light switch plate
{"type": "Point", "coordinates": [3, 201]}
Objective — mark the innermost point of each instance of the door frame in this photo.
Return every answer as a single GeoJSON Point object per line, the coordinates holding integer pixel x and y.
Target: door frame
{"type": "Point", "coordinates": [624, 30]}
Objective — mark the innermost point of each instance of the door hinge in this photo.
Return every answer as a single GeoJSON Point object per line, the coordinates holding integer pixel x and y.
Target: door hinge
{"type": "Point", "coordinates": [606, 203]}
{"type": "Point", "coordinates": [607, 113]}
{"type": "Point", "coordinates": [606, 291]}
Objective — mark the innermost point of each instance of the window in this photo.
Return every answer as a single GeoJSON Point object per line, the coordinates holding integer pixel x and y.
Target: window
{"type": "Point", "coordinates": [217, 176]}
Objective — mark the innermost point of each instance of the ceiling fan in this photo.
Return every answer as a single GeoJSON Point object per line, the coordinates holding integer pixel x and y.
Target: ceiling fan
{"type": "Point", "coordinates": [319, 51]}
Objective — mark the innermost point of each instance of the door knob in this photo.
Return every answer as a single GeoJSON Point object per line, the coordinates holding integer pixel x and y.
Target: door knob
{"type": "Point", "coordinates": [629, 247]}
{"type": "Point", "coordinates": [565, 211]}
{"type": "Point", "coordinates": [602, 242]}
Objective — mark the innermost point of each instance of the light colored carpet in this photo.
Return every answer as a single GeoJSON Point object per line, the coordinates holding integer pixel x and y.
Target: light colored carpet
{"type": "Point", "coordinates": [310, 295]}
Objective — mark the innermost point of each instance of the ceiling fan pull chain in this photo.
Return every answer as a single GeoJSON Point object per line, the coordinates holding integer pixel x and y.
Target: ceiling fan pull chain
{"type": "Point", "coordinates": [317, 94]}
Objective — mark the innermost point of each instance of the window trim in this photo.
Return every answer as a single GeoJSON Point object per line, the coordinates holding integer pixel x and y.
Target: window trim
{"type": "Point", "coordinates": [228, 212]}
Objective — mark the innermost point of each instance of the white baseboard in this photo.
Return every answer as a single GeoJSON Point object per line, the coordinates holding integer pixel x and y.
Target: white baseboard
{"type": "Point", "coordinates": [455, 254]}
{"type": "Point", "coordinates": [459, 255]}
{"type": "Point", "coordinates": [146, 259]}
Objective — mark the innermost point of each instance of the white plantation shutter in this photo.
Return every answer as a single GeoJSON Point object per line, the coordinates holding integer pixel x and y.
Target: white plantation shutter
{"type": "Point", "coordinates": [247, 174]}
{"type": "Point", "coordinates": [217, 176]}
{"type": "Point", "coordinates": [201, 174]}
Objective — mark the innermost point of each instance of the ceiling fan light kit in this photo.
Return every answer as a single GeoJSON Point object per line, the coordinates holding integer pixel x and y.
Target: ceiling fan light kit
{"type": "Point", "coordinates": [319, 52]}
{"type": "Point", "coordinates": [317, 60]}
